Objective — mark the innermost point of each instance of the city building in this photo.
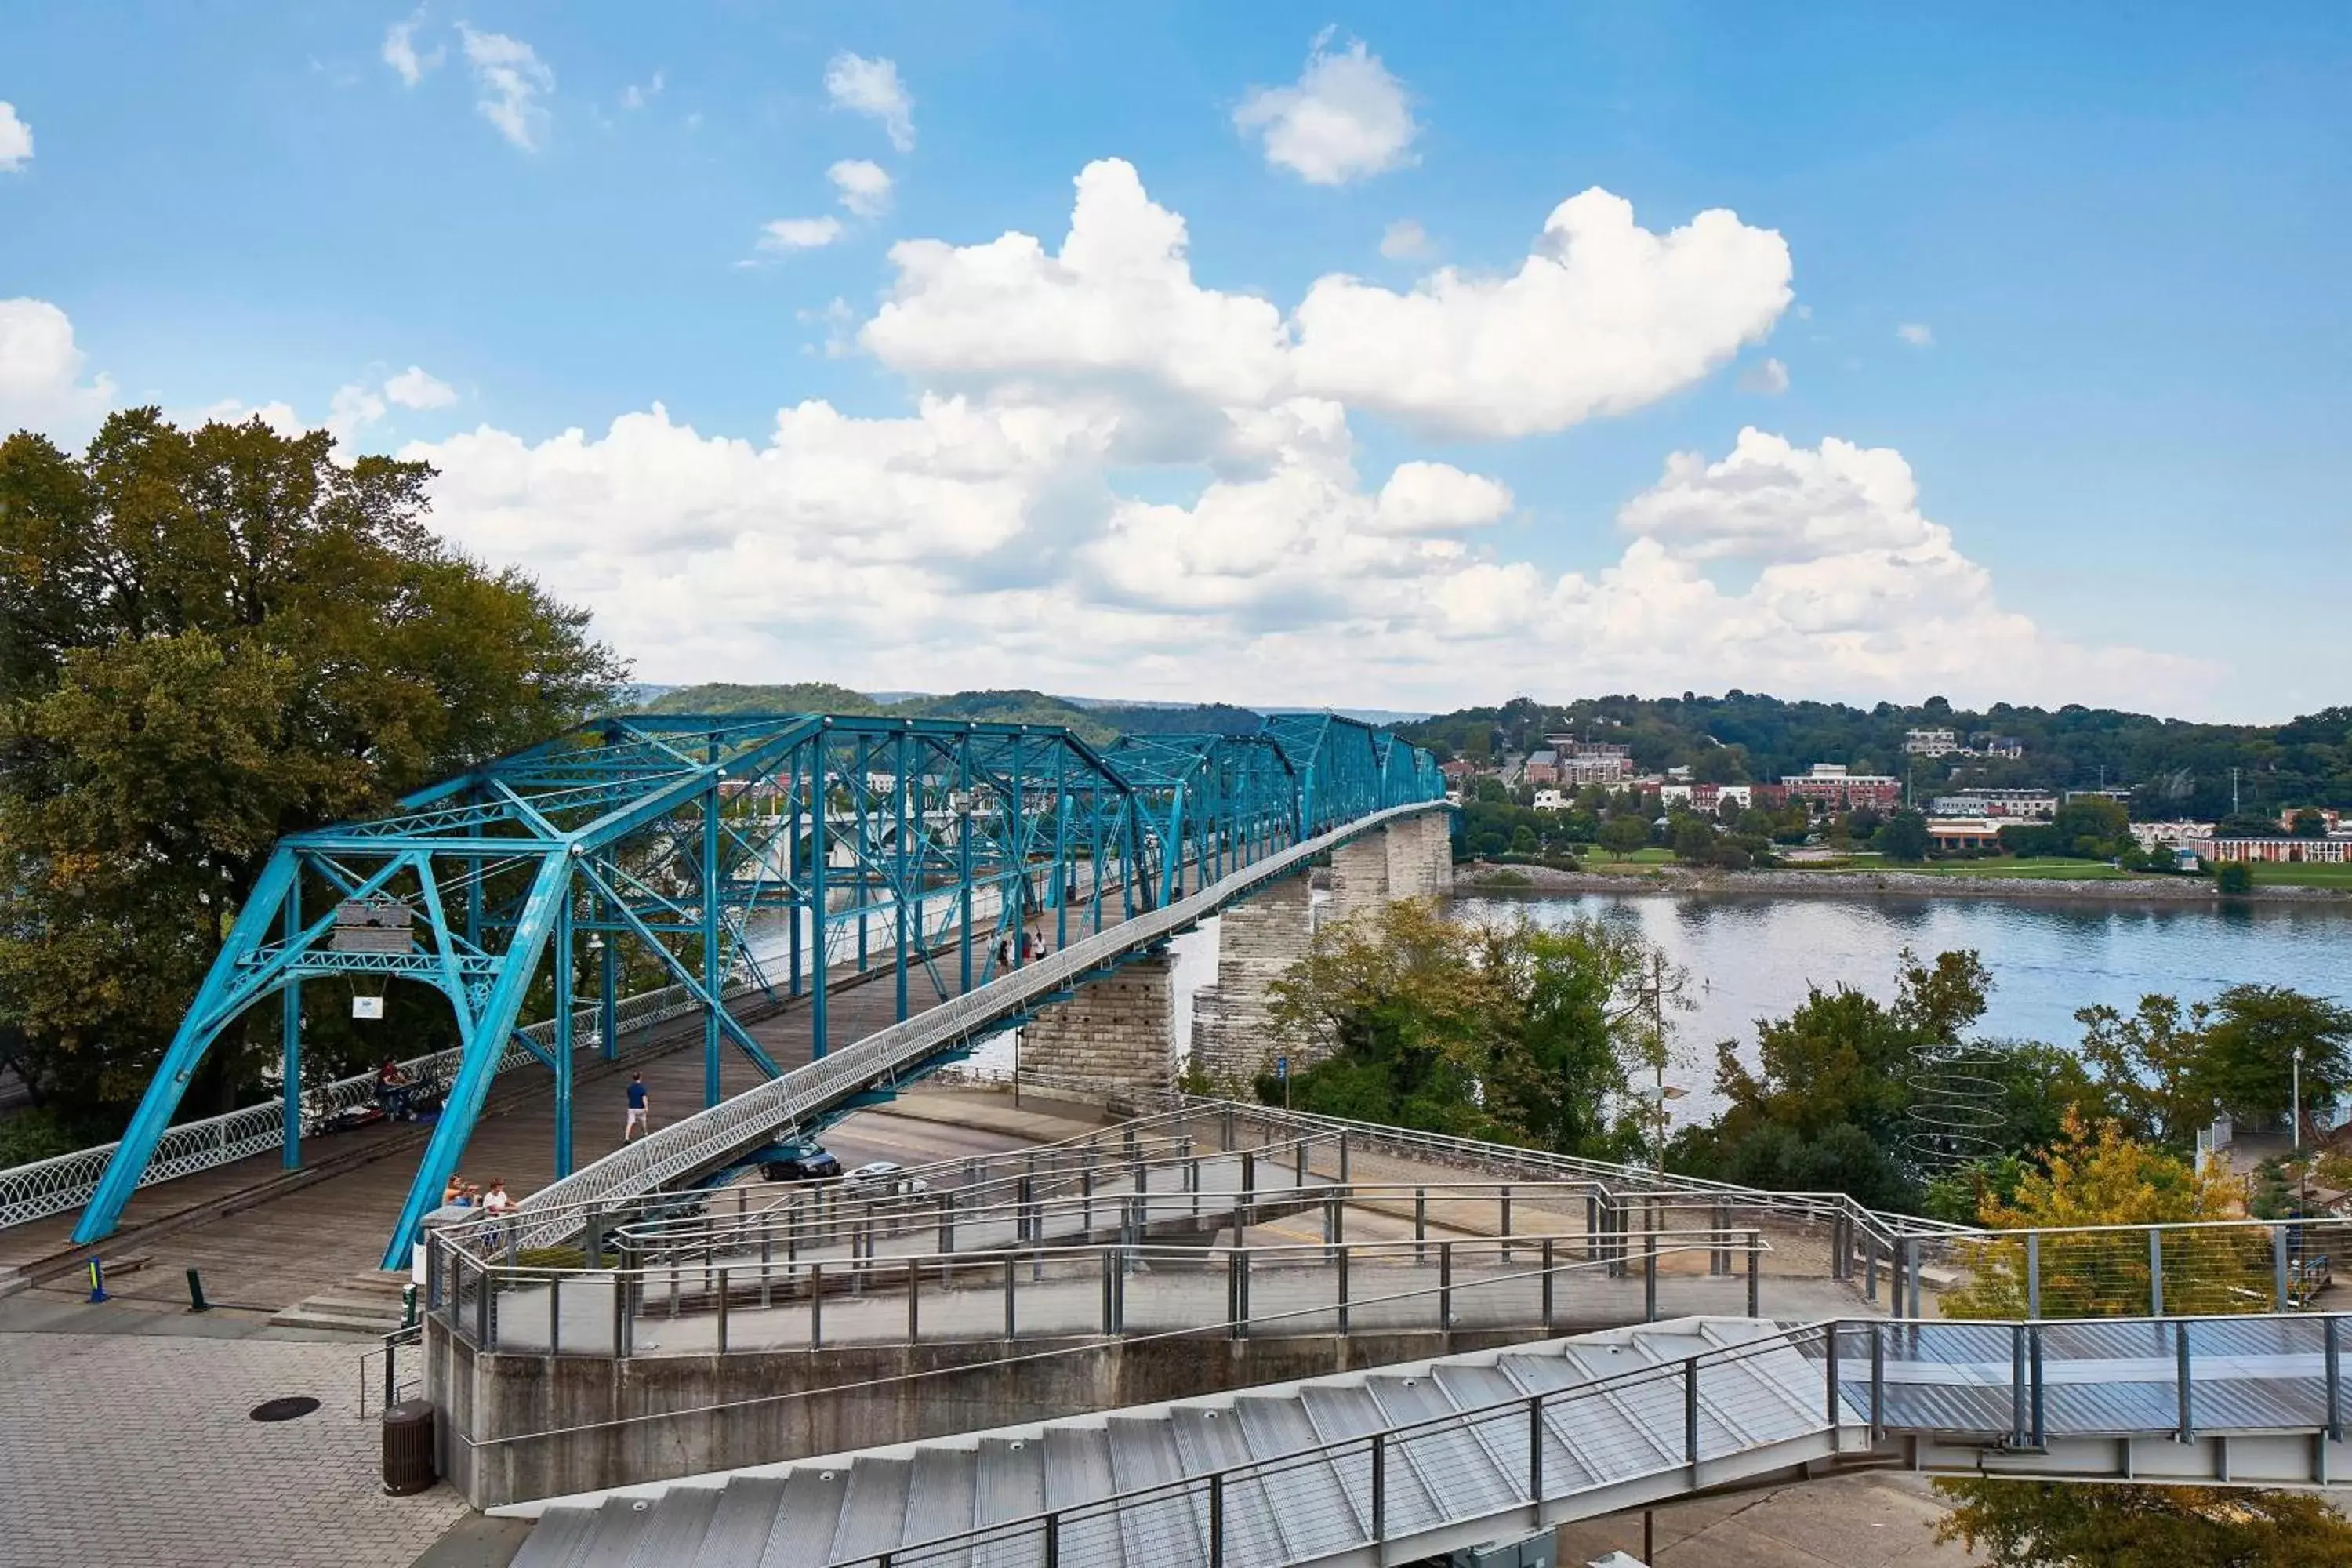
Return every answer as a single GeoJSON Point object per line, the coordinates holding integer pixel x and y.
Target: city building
{"type": "Point", "coordinates": [1582, 762]}
{"type": "Point", "coordinates": [1930, 742]}
{"type": "Point", "coordinates": [1963, 833]}
{"type": "Point", "coordinates": [2011, 804]}
{"type": "Point", "coordinates": [1551, 800]}
{"type": "Point", "coordinates": [1997, 745]}
{"type": "Point", "coordinates": [2328, 816]}
{"type": "Point", "coordinates": [1829, 784]}
{"type": "Point", "coordinates": [1705, 799]}
{"type": "Point", "coordinates": [2273, 851]}
{"type": "Point", "coordinates": [2155, 834]}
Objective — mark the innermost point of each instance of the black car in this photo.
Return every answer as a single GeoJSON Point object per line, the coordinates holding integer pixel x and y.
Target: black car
{"type": "Point", "coordinates": [809, 1164]}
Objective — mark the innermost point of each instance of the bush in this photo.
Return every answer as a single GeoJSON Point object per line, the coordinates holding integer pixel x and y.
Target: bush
{"type": "Point", "coordinates": [2233, 876]}
{"type": "Point", "coordinates": [39, 1134]}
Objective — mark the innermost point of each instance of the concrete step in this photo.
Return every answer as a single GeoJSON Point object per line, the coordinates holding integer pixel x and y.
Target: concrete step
{"type": "Point", "coordinates": [367, 1303]}
{"type": "Point", "coordinates": [13, 1280]}
{"type": "Point", "coordinates": [301, 1316]}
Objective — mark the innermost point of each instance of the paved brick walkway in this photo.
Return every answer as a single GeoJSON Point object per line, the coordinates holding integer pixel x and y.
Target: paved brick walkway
{"type": "Point", "coordinates": [130, 1449]}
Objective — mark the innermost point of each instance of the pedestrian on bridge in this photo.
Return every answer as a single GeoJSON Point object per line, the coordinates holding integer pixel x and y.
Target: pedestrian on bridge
{"type": "Point", "coordinates": [636, 1123]}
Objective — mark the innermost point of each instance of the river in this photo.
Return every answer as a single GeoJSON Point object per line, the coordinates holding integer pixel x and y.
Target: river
{"type": "Point", "coordinates": [1752, 957]}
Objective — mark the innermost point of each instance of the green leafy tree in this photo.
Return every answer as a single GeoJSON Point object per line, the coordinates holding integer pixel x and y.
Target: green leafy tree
{"type": "Point", "coordinates": [213, 639]}
{"type": "Point", "coordinates": [2104, 1178]}
{"type": "Point", "coordinates": [1625, 832]}
{"type": "Point", "coordinates": [2167, 1069]}
{"type": "Point", "coordinates": [1904, 837]}
{"type": "Point", "coordinates": [2233, 879]}
{"type": "Point", "coordinates": [1518, 1032]}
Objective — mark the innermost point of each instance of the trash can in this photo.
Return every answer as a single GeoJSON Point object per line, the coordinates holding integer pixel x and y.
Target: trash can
{"type": "Point", "coordinates": [409, 1448]}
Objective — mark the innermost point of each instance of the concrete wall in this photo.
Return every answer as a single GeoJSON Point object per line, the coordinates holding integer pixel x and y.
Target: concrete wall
{"type": "Point", "coordinates": [1256, 940]}
{"type": "Point", "coordinates": [834, 1400]}
{"type": "Point", "coordinates": [1113, 1044]}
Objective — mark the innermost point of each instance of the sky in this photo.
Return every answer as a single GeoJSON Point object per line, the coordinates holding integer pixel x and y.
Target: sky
{"type": "Point", "coordinates": [1385, 355]}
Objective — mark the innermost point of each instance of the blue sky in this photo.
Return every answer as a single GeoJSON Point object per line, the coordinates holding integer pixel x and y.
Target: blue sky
{"type": "Point", "coordinates": [2110, 468]}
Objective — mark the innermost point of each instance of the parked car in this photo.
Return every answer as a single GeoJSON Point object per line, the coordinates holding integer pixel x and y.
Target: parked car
{"type": "Point", "coordinates": [805, 1164]}
{"type": "Point", "coordinates": [885, 1176]}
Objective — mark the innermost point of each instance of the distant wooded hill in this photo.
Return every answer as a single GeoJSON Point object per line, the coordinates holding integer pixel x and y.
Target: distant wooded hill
{"type": "Point", "coordinates": [1098, 725]}
{"type": "Point", "coordinates": [2173, 768]}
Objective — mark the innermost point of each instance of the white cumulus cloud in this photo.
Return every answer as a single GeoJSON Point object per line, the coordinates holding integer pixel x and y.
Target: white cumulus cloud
{"type": "Point", "coordinates": [413, 388]}
{"type": "Point", "coordinates": [1113, 473]}
{"type": "Point", "coordinates": [1345, 118]}
{"type": "Point", "coordinates": [790, 234]}
{"type": "Point", "coordinates": [872, 87]}
{"type": "Point", "coordinates": [511, 82]}
{"type": "Point", "coordinates": [1918, 334]}
{"type": "Point", "coordinates": [400, 51]}
{"type": "Point", "coordinates": [863, 186]}
{"type": "Point", "coordinates": [1602, 317]}
{"type": "Point", "coordinates": [42, 385]}
{"type": "Point", "coordinates": [1404, 239]}
{"type": "Point", "coordinates": [16, 140]}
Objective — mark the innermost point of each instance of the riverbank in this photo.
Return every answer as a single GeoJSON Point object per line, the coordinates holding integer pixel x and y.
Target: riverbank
{"type": "Point", "coordinates": [2196, 892]}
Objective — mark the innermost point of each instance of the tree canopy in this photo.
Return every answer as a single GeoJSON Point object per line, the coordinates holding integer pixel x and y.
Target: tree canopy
{"type": "Point", "coordinates": [2099, 1176]}
{"type": "Point", "coordinates": [210, 638]}
{"type": "Point", "coordinates": [1518, 1032]}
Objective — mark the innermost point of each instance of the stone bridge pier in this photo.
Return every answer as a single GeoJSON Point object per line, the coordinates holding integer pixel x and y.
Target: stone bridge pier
{"type": "Point", "coordinates": [1262, 937]}
{"type": "Point", "coordinates": [1114, 1043]}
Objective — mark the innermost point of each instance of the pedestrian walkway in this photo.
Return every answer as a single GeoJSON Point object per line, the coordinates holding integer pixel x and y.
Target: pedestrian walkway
{"type": "Point", "coordinates": [138, 1452]}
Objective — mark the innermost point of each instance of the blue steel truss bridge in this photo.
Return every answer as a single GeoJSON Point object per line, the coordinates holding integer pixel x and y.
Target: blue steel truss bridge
{"type": "Point", "coordinates": [661, 865]}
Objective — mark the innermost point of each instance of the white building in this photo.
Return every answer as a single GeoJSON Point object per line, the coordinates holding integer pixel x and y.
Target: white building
{"type": "Point", "coordinates": [2010, 805]}
{"type": "Point", "coordinates": [1930, 742]}
{"type": "Point", "coordinates": [1551, 800]}
{"type": "Point", "coordinates": [2150, 835]}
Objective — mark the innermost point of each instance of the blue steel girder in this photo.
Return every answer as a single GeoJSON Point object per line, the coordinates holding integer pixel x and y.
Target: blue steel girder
{"type": "Point", "coordinates": [776, 850]}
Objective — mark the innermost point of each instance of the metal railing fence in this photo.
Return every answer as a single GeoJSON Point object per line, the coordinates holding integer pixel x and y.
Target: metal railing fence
{"type": "Point", "coordinates": [902, 1050]}
{"type": "Point", "coordinates": [1863, 1371]}
{"type": "Point", "coordinates": [1528, 1283]}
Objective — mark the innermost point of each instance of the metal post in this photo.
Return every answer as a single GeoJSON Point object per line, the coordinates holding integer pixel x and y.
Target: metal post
{"type": "Point", "coordinates": [1592, 1224]}
{"type": "Point", "coordinates": [1870, 1267]}
{"type": "Point", "coordinates": [1110, 1264]}
{"type": "Point", "coordinates": [1216, 1518]}
{"type": "Point", "coordinates": [722, 1312]}
{"type": "Point", "coordinates": [1829, 1381]}
{"type": "Point", "coordinates": [818, 851]}
{"type": "Point", "coordinates": [1535, 1450]}
{"type": "Point", "coordinates": [1547, 1284]}
{"type": "Point", "coordinates": [2017, 1386]}
{"type": "Point", "coordinates": [1343, 1156]}
{"type": "Point", "coordinates": [914, 1301]}
{"type": "Point", "coordinates": [1243, 1216]}
{"type": "Point", "coordinates": [1690, 1411]}
{"type": "Point", "coordinates": [1052, 1541]}
{"type": "Point", "coordinates": [713, 981]}
{"type": "Point", "coordinates": [1649, 1275]}
{"type": "Point", "coordinates": [2033, 1274]}
{"type": "Point", "coordinates": [2329, 1331]}
{"type": "Point", "coordinates": [1504, 1204]}
{"type": "Point", "coordinates": [1243, 1257]}
{"type": "Point", "coordinates": [1445, 1284]}
{"type": "Point", "coordinates": [2278, 1269]}
{"type": "Point", "coordinates": [1380, 1488]}
{"type": "Point", "coordinates": [816, 1306]}
{"type": "Point", "coordinates": [1755, 1274]}
{"type": "Point", "coordinates": [1344, 1254]}
{"type": "Point", "coordinates": [2038, 1436]}
{"type": "Point", "coordinates": [1233, 1293]}
{"type": "Point", "coordinates": [1419, 1222]}
{"type": "Point", "coordinates": [2186, 1431]}
{"type": "Point", "coordinates": [562, 1043]}
{"type": "Point", "coordinates": [290, 1041]}
{"type": "Point", "coordinates": [1011, 1326]}
{"type": "Point", "coordinates": [2156, 1273]}
{"type": "Point", "coordinates": [1877, 1382]}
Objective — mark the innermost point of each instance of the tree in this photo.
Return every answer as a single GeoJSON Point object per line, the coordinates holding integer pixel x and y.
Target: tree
{"type": "Point", "coordinates": [2233, 879]}
{"type": "Point", "coordinates": [1517, 1032]}
{"type": "Point", "coordinates": [2252, 1035]}
{"type": "Point", "coordinates": [1693, 839]}
{"type": "Point", "coordinates": [1904, 837]}
{"type": "Point", "coordinates": [2147, 1061]}
{"type": "Point", "coordinates": [213, 639]}
{"type": "Point", "coordinates": [2104, 1178]}
{"type": "Point", "coordinates": [2309, 824]}
{"type": "Point", "coordinates": [1625, 832]}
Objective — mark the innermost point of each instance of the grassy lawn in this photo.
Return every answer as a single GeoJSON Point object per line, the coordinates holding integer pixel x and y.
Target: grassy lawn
{"type": "Point", "coordinates": [2305, 875]}
{"type": "Point", "coordinates": [2040, 868]}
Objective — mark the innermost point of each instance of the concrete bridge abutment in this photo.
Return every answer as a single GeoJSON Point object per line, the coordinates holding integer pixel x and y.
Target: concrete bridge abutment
{"type": "Point", "coordinates": [1112, 1044]}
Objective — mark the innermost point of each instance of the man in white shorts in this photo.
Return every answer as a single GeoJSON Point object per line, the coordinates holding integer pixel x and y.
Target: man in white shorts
{"type": "Point", "coordinates": [637, 1122]}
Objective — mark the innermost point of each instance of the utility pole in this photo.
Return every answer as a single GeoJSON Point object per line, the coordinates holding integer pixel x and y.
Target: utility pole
{"type": "Point", "coordinates": [2233, 792]}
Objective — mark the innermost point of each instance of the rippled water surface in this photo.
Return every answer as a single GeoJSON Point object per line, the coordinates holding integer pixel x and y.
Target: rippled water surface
{"type": "Point", "coordinates": [1753, 957]}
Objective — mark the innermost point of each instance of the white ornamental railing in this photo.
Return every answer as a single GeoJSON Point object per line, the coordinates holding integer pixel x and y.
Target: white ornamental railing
{"type": "Point", "coordinates": [66, 1181]}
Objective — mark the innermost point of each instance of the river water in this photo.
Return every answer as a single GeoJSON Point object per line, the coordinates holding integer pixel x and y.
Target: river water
{"type": "Point", "coordinates": [1752, 957]}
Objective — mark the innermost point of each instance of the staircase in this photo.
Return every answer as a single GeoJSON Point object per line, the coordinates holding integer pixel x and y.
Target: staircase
{"type": "Point", "coordinates": [370, 1302]}
{"type": "Point", "coordinates": [1460, 1462]}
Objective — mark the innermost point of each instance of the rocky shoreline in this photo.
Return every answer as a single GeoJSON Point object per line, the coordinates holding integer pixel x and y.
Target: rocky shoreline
{"type": "Point", "coordinates": [2185, 892]}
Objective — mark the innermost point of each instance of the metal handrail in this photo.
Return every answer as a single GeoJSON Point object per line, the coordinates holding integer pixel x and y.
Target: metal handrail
{"type": "Point", "coordinates": [903, 1048]}
{"type": "Point", "coordinates": [1832, 1413]}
